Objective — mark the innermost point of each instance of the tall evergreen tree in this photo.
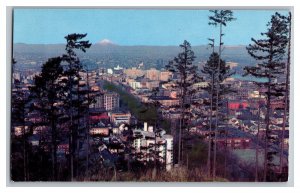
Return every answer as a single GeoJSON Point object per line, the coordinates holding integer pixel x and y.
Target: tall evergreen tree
{"type": "Point", "coordinates": [210, 70]}
{"type": "Point", "coordinates": [269, 53]}
{"type": "Point", "coordinates": [186, 75]}
{"type": "Point", "coordinates": [288, 20]}
{"type": "Point", "coordinates": [212, 83]}
{"type": "Point", "coordinates": [74, 99]}
{"type": "Point", "coordinates": [19, 111]}
{"type": "Point", "coordinates": [85, 97]}
{"type": "Point", "coordinates": [47, 94]}
{"type": "Point", "coordinates": [219, 19]}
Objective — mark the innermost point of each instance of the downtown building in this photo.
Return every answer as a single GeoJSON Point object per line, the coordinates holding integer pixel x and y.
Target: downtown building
{"type": "Point", "coordinates": [107, 100]}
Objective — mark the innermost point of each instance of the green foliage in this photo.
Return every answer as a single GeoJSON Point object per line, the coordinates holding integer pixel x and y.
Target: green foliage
{"type": "Point", "coordinates": [221, 17]}
{"type": "Point", "coordinates": [210, 70]}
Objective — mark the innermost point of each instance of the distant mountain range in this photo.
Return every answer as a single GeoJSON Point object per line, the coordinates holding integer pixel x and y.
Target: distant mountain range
{"type": "Point", "coordinates": [107, 54]}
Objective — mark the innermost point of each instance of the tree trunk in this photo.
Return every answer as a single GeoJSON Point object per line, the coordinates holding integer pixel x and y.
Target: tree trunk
{"type": "Point", "coordinates": [257, 145]}
{"type": "Point", "coordinates": [54, 151]}
{"type": "Point", "coordinates": [266, 139]}
{"type": "Point", "coordinates": [71, 140]}
{"type": "Point", "coordinates": [88, 127]}
{"type": "Point", "coordinates": [217, 104]}
{"type": "Point", "coordinates": [180, 128]}
{"type": "Point", "coordinates": [24, 155]}
{"type": "Point", "coordinates": [267, 118]}
{"type": "Point", "coordinates": [286, 101]}
{"type": "Point", "coordinates": [210, 130]}
{"type": "Point", "coordinates": [25, 168]}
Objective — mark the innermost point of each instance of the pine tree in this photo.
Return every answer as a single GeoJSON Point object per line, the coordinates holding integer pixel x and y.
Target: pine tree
{"type": "Point", "coordinates": [219, 18]}
{"type": "Point", "coordinates": [210, 70]}
{"type": "Point", "coordinates": [212, 83]}
{"type": "Point", "coordinates": [87, 109]}
{"type": "Point", "coordinates": [74, 100]}
{"type": "Point", "coordinates": [46, 95]}
{"type": "Point", "coordinates": [288, 20]}
{"type": "Point", "coordinates": [186, 72]}
{"type": "Point", "coordinates": [85, 97]}
{"type": "Point", "coordinates": [269, 53]}
{"type": "Point", "coordinates": [19, 111]}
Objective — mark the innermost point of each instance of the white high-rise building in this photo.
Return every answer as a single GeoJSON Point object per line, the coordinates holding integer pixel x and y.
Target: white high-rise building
{"type": "Point", "coordinates": [168, 151]}
{"type": "Point", "coordinates": [144, 143]}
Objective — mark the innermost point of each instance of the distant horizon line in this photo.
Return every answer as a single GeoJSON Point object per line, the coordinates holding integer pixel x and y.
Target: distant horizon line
{"type": "Point", "coordinates": [229, 45]}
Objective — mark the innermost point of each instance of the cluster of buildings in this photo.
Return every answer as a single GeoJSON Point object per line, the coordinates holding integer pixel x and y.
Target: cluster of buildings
{"type": "Point", "coordinates": [244, 110]}
{"type": "Point", "coordinates": [241, 107]}
{"type": "Point", "coordinates": [110, 127]}
{"type": "Point", "coordinates": [145, 79]}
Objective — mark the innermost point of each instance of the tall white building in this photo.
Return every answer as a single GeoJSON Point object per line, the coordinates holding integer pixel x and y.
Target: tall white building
{"type": "Point", "coordinates": [168, 151]}
{"type": "Point", "coordinates": [144, 143]}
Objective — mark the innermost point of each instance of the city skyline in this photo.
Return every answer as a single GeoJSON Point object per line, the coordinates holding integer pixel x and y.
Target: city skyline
{"type": "Point", "coordinates": [135, 27]}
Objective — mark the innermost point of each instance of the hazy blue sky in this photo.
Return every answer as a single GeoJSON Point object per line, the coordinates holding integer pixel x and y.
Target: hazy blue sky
{"type": "Point", "coordinates": [134, 27]}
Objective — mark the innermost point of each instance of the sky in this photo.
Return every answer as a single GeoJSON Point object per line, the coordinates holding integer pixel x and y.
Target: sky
{"type": "Point", "coordinates": [135, 27]}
